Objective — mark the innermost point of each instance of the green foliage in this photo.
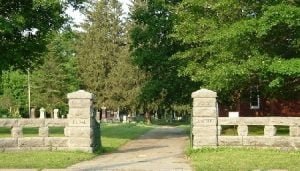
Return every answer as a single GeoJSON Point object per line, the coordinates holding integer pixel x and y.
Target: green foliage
{"type": "Point", "coordinates": [103, 59]}
{"type": "Point", "coordinates": [14, 92]}
{"type": "Point", "coordinates": [232, 45]}
{"type": "Point", "coordinates": [152, 48]}
{"type": "Point", "coordinates": [25, 27]}
{"type": "Point", "coordinates": [56, 76]}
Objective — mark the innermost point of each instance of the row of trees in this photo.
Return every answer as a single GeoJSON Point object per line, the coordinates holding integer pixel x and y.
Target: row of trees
{"type": "Point", "coordinates": [153, 60]}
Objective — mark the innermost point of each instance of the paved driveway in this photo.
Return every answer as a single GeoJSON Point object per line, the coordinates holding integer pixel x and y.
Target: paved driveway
{"type": "Point", "coordinates": [161, 149]}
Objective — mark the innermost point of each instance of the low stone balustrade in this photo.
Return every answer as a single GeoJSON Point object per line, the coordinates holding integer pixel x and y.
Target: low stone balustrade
{"type": "Point", "coordinates": [81, 130]}
{"type": "Point", "coordinates": [207, 127]}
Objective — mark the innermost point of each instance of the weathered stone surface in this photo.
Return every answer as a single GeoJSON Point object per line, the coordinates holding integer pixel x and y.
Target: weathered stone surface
{"type": "Point", "coordinates": [31, 142]}
{"type": "Point", "coordinates": [8, 142]}
{"type": "Point", "coordinates": [270, 130]}
{"type": "Point", "coordinates": [281, 141]}
{"type": "Point", "coordinates": [204, 131]}
{"type": "Point", "coordinates": [257, 141]}
{"type": "Point", "coordinates": [80, 142]}
{"type": "Point", "coordinates": [56, 122]}
{"type": "Point", "coordinates": [204, 112]}
{"type": "Point", "coordinates": [205, 121]}
{"type": "Point", "coordinates": [82, 113]}
{"type": "Point", "coordinates": [204, 141]}
{"type": "Point", "coordinates": [43, 131]}
{"type": "Point", "coordinates": [16, 132]}
{"type": "Point", "coordinates": [56, 141]}
{"type": "Point", "coordinates": [8, 122]}
{"type": "Point", "coordinates": [295, 131]}
{"type": "Point", "coordinates": [230, 141]}
{"type": "Point", "coordinates": [31, 122]}
{"type": "Point", "coordinates": [82, 132]}
{"type": "Point", "coordinates": [242, 130]}
{"type": "Point", "coordinates": [204, 102]}
{"type": "Point", "coordinates": [80, 94]}
{"type": "Point", "coordinates": [295, 142]}
{"type": "Point", "coordinates": [203, 93]}
{"type": "Point", "coordinates": [80, 103]}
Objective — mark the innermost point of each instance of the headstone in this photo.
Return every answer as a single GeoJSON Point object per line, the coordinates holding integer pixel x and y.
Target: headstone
{"type": "Point", "coordinates": [32, 113]}
{"type": "Point", "coordinates": [204, 124]}
{"type": "Point", "coordinates": [42, 113]}
{"type": "Point", "coordinates": [55, 111]}
{"type": "Point", "coordinates": [124, 119]}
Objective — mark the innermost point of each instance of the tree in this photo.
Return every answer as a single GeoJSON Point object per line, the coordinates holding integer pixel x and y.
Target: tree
{"type": "Point", "coordinates": [14, 92]}
{"type": "Point", "coordinates": [57, 75]}
{"type": "Point", "coordinates": [24, 29]}
{"type": "Point", "coordinates": [233, 45]}
{"type": "Point", "coordinates": [124, 84]}
{"type": "Point", "coordinates": [100, 47]}
{"type": "Point", "coordinates": [152, 50]}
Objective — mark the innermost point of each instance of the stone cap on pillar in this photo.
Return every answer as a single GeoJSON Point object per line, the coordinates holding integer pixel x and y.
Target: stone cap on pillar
{"type": "Point", "coordinates": [80, 94]}
{"type": "Point", "coordinates": [204, 93]}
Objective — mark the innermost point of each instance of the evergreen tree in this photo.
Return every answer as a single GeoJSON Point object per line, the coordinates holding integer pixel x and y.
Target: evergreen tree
{"type": "Point", "coordinates": [56, 76]}
{"type": "Point", "coordinates": [99, 48]}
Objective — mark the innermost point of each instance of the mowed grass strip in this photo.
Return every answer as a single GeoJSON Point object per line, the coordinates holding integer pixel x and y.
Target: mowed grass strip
{"type": "Point", "coordinates": [113, 136]}
{"type": "Point", "coordinates": [244, 159]}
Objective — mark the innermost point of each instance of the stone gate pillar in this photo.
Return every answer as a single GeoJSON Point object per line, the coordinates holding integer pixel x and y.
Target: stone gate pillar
{"type": "Point", "coordinates": [204, 119]}
{"type": "Point", "coordinates": [83, 130]}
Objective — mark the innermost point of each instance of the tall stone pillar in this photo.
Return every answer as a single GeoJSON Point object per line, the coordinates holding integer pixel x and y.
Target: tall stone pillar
{"type": "Point", "coordinates": [204, 119]}
{"type": "Point", "coordinates": [83, 130]}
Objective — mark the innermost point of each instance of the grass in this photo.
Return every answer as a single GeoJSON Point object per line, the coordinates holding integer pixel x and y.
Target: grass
{"type": "Point", "coordinates": [4, 132]}
{"type": "Point", "coordinates": [113, 136]}
{"type": "Point", "coordinates": [243, 159]}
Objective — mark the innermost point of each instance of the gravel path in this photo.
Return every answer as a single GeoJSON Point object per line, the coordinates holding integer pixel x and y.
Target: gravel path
{"type": "Point", "coordinates": [161, 149]}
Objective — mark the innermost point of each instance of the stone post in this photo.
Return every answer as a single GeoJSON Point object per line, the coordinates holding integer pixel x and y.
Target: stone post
{"type": "Point", "coordinates": [83, 130]}
{"type": "Point", "coordinates": [42, 113]}
{"type": "Point", "coordinates": [16, 132]}
{"type": "Point", "coordinates": [55, 112]}
{"type": "Point", "coordinates": [242, 130]}
{"type": "Point", "coordinates": [204, 119]}
{"type": "Point", "coordinates": [44, 131]}
{"type": "Point", "coordinates": [295, 131]}
{"type": "Point", "coordinates": [270, 130]}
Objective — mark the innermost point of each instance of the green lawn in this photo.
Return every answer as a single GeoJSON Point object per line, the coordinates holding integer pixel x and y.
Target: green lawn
{"type": "Point", "coordinates": [113, 136]}
{"type": "Point", "coordinates": [235, 159]}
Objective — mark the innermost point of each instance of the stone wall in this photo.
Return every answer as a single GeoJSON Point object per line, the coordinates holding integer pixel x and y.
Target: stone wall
{"type": "Point", "coordinates": [207, 126]}
{"type": "Point", "coordinates": [81, 130]}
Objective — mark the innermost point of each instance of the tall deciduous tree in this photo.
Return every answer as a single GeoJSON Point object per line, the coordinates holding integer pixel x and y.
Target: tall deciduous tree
{"type": "Point", "coordinates": [100, 46]}
{"type": "Point", "coordinates": [24, 28]}
{"type": "Point", "coordinates": [232, 45]}
{"type": "Point", "coordinates": [152, 49]}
